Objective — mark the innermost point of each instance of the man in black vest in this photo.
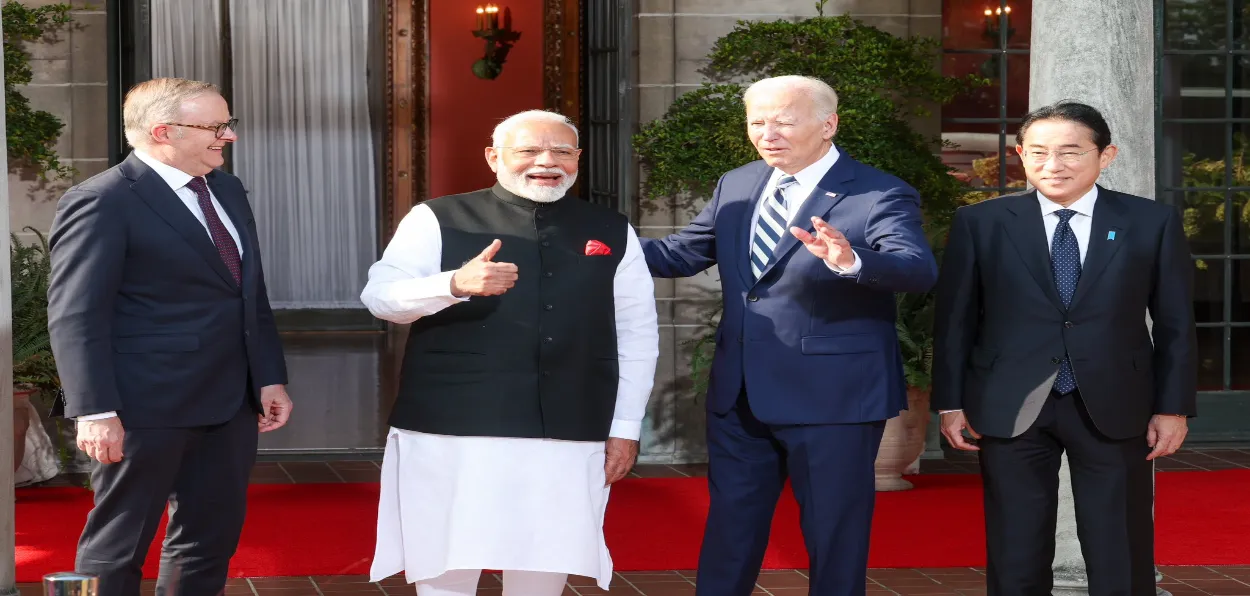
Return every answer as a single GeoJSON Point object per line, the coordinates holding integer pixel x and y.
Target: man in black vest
{"type": "Point", "coordinates": [526, 375]}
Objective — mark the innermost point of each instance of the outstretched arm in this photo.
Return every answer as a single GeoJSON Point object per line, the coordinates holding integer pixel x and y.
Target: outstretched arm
{"type": "Point", "coordinates": [898, 257]}
{"type": "Point", "coordinates": [689, 251]}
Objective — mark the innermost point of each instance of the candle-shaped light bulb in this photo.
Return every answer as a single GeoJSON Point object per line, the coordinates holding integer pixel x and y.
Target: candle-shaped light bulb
{"type": "Point", "coordinates": [1007, 10]}
{"type": "Point", "coordinates": [988, 12]}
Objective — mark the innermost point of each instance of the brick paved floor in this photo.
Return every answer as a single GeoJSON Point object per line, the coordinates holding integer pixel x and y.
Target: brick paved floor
{"type": "Point", "coordinates": [1180, 581]}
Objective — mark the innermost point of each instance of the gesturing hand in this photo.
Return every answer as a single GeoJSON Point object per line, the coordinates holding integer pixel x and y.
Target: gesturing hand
{"type": "Point", "coordinates": [828, 244]}
{"type": "Point", "coordinates": [483, 277]}
{"type": "Point", "coordinates": [101, 439]}
{"type": "Point", "coordinates": [619, 459]}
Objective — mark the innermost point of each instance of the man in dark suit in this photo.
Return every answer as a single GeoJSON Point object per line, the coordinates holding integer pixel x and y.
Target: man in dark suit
{"type": "Point", "coordinates": [1042, 347]}
{"type": "Point", "coordinates": [165, 342]}
{"type": "Point", "coordinates": [807, 367]}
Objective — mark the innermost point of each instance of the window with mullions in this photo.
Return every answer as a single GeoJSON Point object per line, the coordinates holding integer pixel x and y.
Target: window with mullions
{"type": "Point", "coordinates": [1203, 72]}
{"type": "Point", "coordinates": [990, 39]}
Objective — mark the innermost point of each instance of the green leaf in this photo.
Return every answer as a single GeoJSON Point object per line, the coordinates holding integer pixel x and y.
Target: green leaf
{"type": "Point", "coordinates": [32, 134]}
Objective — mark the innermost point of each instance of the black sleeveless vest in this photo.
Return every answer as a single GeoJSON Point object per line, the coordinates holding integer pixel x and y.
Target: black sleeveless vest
{"type": "Point", "coordinates": [538, 361]}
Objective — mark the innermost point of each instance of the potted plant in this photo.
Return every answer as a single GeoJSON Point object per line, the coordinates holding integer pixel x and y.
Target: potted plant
{"type": "Point", "coordinates": [34, 368]}
{"type": "Point", "coordinates": [883, 81]}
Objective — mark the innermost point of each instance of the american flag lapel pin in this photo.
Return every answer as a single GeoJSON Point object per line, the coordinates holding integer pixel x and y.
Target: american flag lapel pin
{"type": "Point", "coordinates": [832, 195]}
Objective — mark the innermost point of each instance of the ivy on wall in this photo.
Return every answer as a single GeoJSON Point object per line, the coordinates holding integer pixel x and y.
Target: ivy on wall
{"type": "Point", "coordinates": [32, 133]}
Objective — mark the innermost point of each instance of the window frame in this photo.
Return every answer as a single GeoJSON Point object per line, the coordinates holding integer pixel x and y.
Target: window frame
{"type": "Point", "coordinates": [1002, 120]}
{"type": "Point", "coordinates": [1167, 193]}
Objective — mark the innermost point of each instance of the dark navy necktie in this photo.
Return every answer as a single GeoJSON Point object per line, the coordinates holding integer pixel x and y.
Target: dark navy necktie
{"type": "Point", "coordinates": [1065, 262]}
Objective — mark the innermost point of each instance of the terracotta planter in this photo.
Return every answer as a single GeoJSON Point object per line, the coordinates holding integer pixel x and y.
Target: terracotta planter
{"type": "Point", "coordinates": [903, 442]}
{"type": "Point", "coordinates": [21, 422]}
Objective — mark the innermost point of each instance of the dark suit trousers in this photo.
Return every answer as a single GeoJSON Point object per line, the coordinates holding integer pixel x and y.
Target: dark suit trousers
{"type": "Point", "coordinates": [202, 473]}
{"type": "Point", "coordinates": [831, 470]}
{"type": "Point", "coordinates": [1112, 485]}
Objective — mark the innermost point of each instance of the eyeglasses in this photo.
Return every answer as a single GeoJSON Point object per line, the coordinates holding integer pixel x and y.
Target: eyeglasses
{"type": "Point", "coordinates": [218, 129]}
{"type": "Point", "coordinates": [560, 153]}
{"type": "Point", "coordinates": [1043, 156]}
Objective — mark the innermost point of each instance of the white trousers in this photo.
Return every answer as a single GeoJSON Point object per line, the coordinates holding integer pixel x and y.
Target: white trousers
{"type": "Point", "coordinates": [463, 582]}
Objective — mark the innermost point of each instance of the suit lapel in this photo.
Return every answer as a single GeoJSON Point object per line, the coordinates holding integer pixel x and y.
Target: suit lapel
{"type": "Point", "coordinates": [162, 199]}
{"type": "Point", "coordinates": [746, 230]}
{"type": "Point", "coordinates": [1105, 238]}
{"type": "Point", "coordinates": [1027, 233]}
{"type": "Point", "coordinates": [829, 192]}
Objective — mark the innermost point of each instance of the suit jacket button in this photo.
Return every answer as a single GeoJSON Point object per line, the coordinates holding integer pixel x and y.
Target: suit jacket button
{"type": "Point", "coordinates": [1068, 324]}
{"type": "Point", "coordinates": [753, 298]}
{"type": "Point", "coordinates": [739, 339]}
{"type": "Point", "coordinates": [1055, 360]}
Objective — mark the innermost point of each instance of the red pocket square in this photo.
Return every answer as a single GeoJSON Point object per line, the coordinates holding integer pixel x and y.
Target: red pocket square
{"type": "Point", "coordinates": [594, 247]}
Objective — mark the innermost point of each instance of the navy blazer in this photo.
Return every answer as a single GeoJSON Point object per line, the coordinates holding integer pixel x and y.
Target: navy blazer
{"type": "Point", "coordinates": [810, 346]}
{"type": "Point", "coordinates": [144, 317]}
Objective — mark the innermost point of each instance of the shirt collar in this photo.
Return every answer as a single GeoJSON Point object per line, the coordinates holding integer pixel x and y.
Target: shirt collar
{"type": "Point", "coordinates": [1083, 205]}
{"type": "Point", "coordinates": [172, 176]}
{"type": "Point", "coordinates": [809, 177]}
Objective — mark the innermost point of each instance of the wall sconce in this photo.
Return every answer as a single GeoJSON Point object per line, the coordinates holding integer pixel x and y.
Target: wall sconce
{"type": "Point", "coordinates": [498, 40]}
{"type": "Point", "coordinates": [992, 20]}
{"type": "Point", "coordinates": [995, 20]}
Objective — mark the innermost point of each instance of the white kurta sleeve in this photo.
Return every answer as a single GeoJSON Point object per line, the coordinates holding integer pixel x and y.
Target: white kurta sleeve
{"type": "Point", "coordinates": [408, 282]}
{"type": "Point", "coordinates": [637, 339]}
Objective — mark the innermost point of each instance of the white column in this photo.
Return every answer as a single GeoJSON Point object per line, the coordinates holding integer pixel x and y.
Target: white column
{"type": "Point", "coordinates": [7, 546]}
{"type": "Point", "coordinates": [1101, 53]}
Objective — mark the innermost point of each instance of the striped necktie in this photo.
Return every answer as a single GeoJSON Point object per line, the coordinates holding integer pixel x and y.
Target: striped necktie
{"type": "Point", "coordinates": [770, 227]}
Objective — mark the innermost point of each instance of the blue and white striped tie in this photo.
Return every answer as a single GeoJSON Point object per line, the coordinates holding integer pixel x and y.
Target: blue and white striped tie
{"type": "Point", "coordinates": [770, 227]}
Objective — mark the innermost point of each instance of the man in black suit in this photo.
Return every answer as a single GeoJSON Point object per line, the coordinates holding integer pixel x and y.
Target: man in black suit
{"type": "Point", "coordinates": [1042, 346]}
{"type": "Point", "coordinates": [165, 342]}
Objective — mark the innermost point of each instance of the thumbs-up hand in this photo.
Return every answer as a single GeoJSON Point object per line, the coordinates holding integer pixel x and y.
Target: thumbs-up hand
{"type": "Point", "coordinates": [482, 276]}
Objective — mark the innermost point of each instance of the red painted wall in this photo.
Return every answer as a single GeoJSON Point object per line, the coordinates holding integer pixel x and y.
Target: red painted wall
{"type": "Point", "coordinates": [465, 109]}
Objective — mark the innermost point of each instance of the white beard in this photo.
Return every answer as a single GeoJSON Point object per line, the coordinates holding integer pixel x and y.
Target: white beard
{"type": "Point", "coordinates": [520, 186]}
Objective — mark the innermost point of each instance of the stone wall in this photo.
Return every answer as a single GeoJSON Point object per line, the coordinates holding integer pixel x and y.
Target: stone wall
{"type": "Point", "coordinates": [70, 82]}
{"type": "Point", "coordinates": [673, 39]}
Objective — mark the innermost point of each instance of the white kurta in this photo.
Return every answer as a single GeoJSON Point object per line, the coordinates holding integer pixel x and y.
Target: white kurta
{"type": "Point", "coordinates": [489, 502]}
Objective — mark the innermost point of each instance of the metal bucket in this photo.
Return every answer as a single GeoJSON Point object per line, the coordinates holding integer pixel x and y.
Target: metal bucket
{"type": "Point", "coordinates": [67, 583]}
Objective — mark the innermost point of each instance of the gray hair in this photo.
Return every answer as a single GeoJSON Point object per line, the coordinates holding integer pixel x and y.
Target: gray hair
{"type": "Point", "coordinates": [156, 101]}
{"type": "Point", "coordinates": [821, 94]}
{"type": "Point", "coordinates": [511, 122]}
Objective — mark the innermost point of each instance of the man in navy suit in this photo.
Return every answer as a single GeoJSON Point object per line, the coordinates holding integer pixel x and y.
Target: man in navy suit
{"type": "Point", "coordinates": [165, 343]}
{"type": "Point", "coordinates": [807, 367]}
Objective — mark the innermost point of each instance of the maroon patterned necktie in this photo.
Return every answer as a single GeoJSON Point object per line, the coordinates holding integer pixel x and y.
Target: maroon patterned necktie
{"type": "Point", "coordinates": [226, 247]}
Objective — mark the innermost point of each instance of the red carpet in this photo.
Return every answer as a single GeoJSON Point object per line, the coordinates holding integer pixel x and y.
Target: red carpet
{"type": "Point", "coordinates": [653, 524]}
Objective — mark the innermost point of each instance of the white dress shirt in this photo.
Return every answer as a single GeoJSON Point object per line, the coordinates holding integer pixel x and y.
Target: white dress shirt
{"type": "Point", "coordinates": [1081, 223]}
{"type": "Point", "coordinates": [796, 194]}
{"type": "Point", "coordinates": [177, 181]}
{"type": "Point", "coordinates": [408, 283]}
